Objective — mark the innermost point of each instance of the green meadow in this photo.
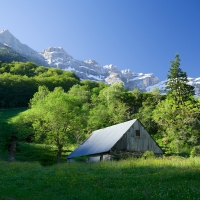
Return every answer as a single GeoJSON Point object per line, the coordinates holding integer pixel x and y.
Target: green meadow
{"type": "Point", "coordinates": [34, 175]}
{"type": "Point", "coordinates": [161, 178]}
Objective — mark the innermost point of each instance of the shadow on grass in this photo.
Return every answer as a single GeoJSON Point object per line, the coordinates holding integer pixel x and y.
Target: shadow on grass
{"type": "Point", "coordinates": [7, 114]}
{"type": "Point", "coordinates": [30, 152]}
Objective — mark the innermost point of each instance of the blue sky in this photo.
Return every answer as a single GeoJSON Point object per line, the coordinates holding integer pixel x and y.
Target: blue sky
{"type": "Point", "coordinates": [141, 35]}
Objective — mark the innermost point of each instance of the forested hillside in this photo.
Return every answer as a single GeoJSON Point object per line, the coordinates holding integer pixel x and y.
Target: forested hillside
{"type": "Point", "coordinates": [19, 81]}
{"type": "Point", "coordinates": [62, 110]}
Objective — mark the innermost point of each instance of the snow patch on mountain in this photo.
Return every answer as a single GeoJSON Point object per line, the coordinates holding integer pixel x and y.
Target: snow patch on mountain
{"type": "Point", "coordinates": [111, 67]}
{"type": "Point", "coordinates": [23, 49]}
{"type": "Point", "coordinates": [160, 85]}
{"type": "Point", "coordinates": [98, 78]}
{"type": "Point", "coordinates": [89, 69]}
{"type": "Point", "coordinates": [1, 31]}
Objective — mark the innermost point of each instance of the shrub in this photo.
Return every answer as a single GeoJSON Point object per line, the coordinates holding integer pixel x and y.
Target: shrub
{"type": "Point", "coordinates": [195, 151]}
{"type": "Point", "coordinates": [148, 154]}
{"type": "Point", "coordinates": [184, 154]}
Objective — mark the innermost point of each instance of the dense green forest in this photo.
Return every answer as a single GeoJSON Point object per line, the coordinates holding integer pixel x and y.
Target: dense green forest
{"type": "Point", "coordinates": [19, 81]}
{"type": "Point", "coordinates": [62, 110]}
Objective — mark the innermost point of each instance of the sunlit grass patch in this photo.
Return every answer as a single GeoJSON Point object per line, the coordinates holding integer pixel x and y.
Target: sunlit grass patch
{"type": "Point", "coordinates": [168, 178]}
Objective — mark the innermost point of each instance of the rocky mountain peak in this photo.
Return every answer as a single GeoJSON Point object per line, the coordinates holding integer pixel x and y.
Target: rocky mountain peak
{"type": "Point", "coordinates": [111, 68]}
{"type": "Point", "coordinates": [56, 56]}
{"type": "Point", "coordinates": [92, 62]}
{"type": "Point", "coordinates": [114, 78]}
{"type": "Point", "coordinates": [88, 69]}
{"type": "Point", "coordinates": [55, 49]}
{"type": "Point", "coordinates": [7, 38]}
{"type": "Point", "coordinates": [5, 31]}
{"type": "Point", "coordinates": [127, 73]}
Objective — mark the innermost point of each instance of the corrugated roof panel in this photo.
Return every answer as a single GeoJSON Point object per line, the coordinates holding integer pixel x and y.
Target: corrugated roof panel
{"type": "Point", "coordinates": [102, 140]}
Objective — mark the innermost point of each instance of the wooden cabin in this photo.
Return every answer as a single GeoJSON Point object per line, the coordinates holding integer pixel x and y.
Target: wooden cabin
{"type": "Point", "coordinates": [121, 140]}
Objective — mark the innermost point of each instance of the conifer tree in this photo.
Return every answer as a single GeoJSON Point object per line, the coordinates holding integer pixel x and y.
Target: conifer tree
{"type": "Point", "coordinates": [178, 114]}
{"type": "Point", "coordinates": [177, 83]}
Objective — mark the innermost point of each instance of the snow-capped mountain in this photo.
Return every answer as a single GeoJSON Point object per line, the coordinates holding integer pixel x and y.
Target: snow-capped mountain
{"type": "Point", "coordinates": [7, 54]}
{"type": "Point", "coordinates": [90, 69]}
{"type": "Point", "coordinates": [8, 39]}
{"type": "Point", "coordinates": [57, 57]}
{"type": "Point", "coordinates": [196, 83]}
{"type": "Point", "coordinates": [162, 84]}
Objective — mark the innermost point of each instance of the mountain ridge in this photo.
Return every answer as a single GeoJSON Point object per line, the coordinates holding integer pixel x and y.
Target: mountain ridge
{"type": "Point", "coordinates": [7, 54]}
{"type": "Point", "coordinates": [57, 57]}
{"type": "Point", "coordinates": [7, 38]}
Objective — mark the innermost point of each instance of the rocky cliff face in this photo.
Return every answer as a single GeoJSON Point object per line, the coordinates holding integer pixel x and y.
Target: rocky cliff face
{"type": "Point", "coordinates": [196, 83]}
{"type": "Point", "coordinates": [58, 57]}
{"type": "Point", "coordinates": [7, 54]}
{"type": "Point", "coordinates": [110, 74]}
{"type": "Point", "coordinates": [162, 84]}
{"type": "Point", "coordinates": [89, 69]}
{"type": "Point", "coordinates": [7, 38]}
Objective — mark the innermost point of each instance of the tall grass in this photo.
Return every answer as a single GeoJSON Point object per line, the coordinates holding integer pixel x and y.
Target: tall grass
{"type": "Point", "coordinates": [168, 178]}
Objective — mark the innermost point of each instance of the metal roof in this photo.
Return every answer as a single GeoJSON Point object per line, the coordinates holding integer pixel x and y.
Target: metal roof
{"type": "Point", "coordinates": [102, 140]}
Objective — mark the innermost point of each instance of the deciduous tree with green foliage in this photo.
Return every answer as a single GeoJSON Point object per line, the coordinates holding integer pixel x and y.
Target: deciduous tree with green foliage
{"type": "Point", "coordinates": [20, 80]}
{"type": "Point", "coordinates": [108, 108]}
{"type": "Point", "coordinates": [146, 111]}
{"type": "Point", "coordinates": [54, 117]}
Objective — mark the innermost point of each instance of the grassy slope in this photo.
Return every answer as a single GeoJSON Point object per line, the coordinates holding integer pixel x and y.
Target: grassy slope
{"type": "Point", "coordinates": [44, 154]}
{"type": "Point", "coordinates": [7, 114]}
{"type": "Point", "coordinates": [174, 178]}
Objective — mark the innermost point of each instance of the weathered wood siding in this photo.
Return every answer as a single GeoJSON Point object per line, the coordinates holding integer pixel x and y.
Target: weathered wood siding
{"type": "Point", "coordinates": [121, 144]}
{"type": "Point", "coordinates": [141, 143]}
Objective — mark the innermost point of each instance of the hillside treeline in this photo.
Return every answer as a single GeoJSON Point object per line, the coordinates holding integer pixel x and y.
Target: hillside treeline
{"type": "Point", "coordinates": [65, 110]}
{"type": "Point", "coordinates": [19, 81]}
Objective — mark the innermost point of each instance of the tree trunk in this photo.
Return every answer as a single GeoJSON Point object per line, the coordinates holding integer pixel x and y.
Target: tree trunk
{"type": "Point", "coordinates": [12, 148]}
{"type": "Point", "coordinates": [59, 153]}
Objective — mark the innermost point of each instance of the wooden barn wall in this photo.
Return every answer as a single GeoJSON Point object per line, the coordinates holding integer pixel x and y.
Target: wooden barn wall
{"type": "Point", "coordinates": [141, 143]}
{"type": "Point", "coordinates": [121, 144]}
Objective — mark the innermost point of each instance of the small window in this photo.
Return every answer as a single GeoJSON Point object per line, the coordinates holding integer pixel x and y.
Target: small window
{"type": "Point", "coordinates": [137, 133]}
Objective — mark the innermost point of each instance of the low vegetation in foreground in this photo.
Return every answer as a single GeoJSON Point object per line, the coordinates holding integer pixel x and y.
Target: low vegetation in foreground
{"type": "Point", "coordinates": [62, 113]}
{"type": "Point", "coordinates": [163, 178]}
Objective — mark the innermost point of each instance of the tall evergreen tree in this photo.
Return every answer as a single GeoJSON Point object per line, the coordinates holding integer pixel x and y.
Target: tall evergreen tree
{"type": "Point", "coordinates": [178, 114]}
{"type": "Point", "coordinates": [177, 83]}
